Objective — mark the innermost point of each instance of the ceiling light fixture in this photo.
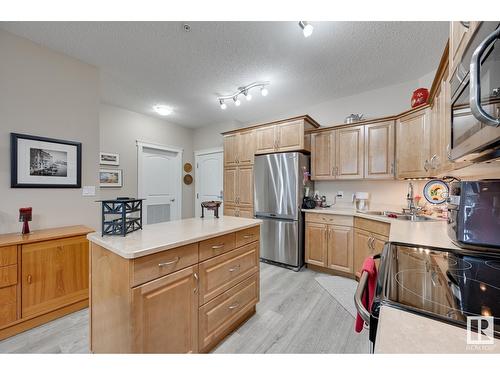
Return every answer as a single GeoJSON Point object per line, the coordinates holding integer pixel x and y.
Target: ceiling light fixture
{"type": "Point", "coordinates": [307, 28]}
{"type": "Point", "coordinates": [245, 91]}
{"type": "Point", "coordinates": [162, 110]}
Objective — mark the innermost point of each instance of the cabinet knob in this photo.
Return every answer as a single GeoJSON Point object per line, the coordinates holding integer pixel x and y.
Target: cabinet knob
{"type": "Point", "coordinates": [29, 279]}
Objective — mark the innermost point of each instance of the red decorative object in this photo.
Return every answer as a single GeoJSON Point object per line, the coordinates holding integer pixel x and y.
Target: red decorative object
{"type": "Point", "coordinates": [25, 216]}
{"type": "Point", "coordinates": [419, 97]}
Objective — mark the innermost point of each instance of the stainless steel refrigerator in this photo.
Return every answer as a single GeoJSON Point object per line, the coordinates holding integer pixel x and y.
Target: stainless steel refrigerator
{"type": "Point", "coordinates": [278, 193]}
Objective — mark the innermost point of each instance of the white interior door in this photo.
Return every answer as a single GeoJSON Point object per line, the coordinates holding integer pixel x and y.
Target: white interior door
{"type": "Point", "coordinates": [209, 178]}
{"type": "Point", "coordinates": [159, 175]}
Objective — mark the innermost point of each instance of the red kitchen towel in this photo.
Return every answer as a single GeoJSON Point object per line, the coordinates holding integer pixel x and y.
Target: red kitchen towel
{"type": "Point", "coordinates": [370, 267]}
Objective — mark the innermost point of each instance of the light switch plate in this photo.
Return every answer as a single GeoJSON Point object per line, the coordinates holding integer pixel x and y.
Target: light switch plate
{"type": "Point", "coordinates": [88, 191]}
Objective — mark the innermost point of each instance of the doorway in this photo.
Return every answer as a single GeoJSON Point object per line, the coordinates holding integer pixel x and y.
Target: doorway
{"type": "Point", "coordinates": [159, 180]}
{"type": "Point", "coordinates": [209, 177]}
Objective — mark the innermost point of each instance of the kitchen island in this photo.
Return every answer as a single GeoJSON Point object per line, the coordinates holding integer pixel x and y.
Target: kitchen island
{"type": "Point", "coordinates": [174, 287]}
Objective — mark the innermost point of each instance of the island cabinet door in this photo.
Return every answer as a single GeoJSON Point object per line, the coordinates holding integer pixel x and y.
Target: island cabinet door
{"type": "Point", "coordinates": [54, 274]}
{"type": "Point", "coordinates": [165, 314]}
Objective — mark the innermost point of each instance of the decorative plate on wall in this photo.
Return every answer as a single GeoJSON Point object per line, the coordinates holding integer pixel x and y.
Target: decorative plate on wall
{"type": "Point", "coordinates": [188, 179]}
{"type": "Point", "coordinates": [436, 191]}
{"type": "Point", "coordinates": [188, 167]}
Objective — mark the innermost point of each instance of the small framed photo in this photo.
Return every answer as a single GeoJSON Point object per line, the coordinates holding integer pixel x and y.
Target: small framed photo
{"type": "Point", "coordinates": [106, 158]}
{"type": "Point", "coordinates": [110, 178]}
{"type": "Point", "coordinates": [38, 162]}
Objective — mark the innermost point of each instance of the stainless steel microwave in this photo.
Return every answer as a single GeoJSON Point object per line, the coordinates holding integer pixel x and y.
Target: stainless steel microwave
{"type": "Point", "coordinates": [475, 98]}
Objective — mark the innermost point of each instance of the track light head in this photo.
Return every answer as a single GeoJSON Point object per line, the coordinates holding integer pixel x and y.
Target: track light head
{"type": "Point", "coordinates": [264, 91]}
{"type": "Point", "coordinates": [307, 28]}
{"type": "Point", "coordinates": [222, 104]}
{"type": "Point", "coordinates": [248, 96]}
{"type": "Point", "coordinates": [236, 101]}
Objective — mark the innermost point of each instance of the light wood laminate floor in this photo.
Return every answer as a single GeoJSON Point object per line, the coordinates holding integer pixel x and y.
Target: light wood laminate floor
{"type": "Point", "coordinates": [295, 315]}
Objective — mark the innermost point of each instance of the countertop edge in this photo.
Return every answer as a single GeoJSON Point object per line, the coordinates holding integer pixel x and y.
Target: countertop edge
{"type": "Point", "coordinates": [97, 239]}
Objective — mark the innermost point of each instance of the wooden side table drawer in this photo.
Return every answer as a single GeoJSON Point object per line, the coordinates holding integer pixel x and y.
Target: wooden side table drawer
{"type": "Point", "coordinates": [223, 272]}
{"type": "Point", "coordinates": [330, 219]}
{"type": "Point", "coordinates": [217, 316]}
{"type": "Point", "coordinates": [217, 246]}
{"type": "Point", "coordinates": [247, 235]}
{"type": "Point", "coordinates": [8, 275]}
{"type": "Point", "coordinates": [153, 266]}
{"type": "Point", "coordinates": [8, 255]}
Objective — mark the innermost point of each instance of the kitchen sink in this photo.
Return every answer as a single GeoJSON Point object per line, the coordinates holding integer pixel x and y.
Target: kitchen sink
{"type": "Point", "coordinates": [398, 215]}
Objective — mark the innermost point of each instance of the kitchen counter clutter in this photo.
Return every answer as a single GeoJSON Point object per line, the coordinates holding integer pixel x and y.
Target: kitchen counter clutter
{"type": "Point", "coordinates": [174, 287]}
{"type": "Point", "coordinates": [401, 332]}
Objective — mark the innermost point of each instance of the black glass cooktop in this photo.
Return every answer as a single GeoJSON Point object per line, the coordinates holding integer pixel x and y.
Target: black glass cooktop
{"type": "Point", "coordinates": [441, 282]}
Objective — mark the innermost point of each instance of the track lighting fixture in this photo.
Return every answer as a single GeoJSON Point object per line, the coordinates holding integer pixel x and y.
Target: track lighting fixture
{"type": "Point", "coordinates": [246, 93]}
{"type": "Point", "coordinates": [307, 28]}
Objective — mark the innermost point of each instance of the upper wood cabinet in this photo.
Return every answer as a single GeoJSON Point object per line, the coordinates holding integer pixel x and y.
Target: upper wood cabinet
{"type": "Point", "coordinates": [239, 148]}
{"type": "Point", "coordinates": [323, 155]}
{"type": "Point", "coordinates": [284, 136]}
{"type": "Point", "coordinates": [349, 150]}
{"type": "Point", "coordinates": [54, 274]}
{"type": "Point", "coordinates": [354, 152]}
{"type": "Point", "coordinates": [379, 150]}
{"type": "Point", "coordinates": [165, 314]}
{"type": "Point", "coordinates": [460, 34]}
{"type": "Point", "coordinates": [413, 136]}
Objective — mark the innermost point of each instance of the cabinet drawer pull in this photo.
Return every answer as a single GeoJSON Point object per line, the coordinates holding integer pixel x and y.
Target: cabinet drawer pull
{"type": "Point", "coordinates": [169, 262]}
{"type": "Point", "coordinates": [235, 268]}
{"type": "Point", "coordinates": [234, 306]}
{"type": "Point", "coordinates": [215, 247]}
{"type": "Point", "coordinates": [197, 282]}
{"type": "Point", "coordinates": [247, 235]}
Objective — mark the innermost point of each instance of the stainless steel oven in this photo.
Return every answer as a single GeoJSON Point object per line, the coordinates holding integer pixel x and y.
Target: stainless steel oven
{"type": "Point", "coordinates": [475, 98]}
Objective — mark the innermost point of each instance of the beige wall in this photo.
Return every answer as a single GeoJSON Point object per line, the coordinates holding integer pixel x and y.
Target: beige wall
{"type": "Point", "coordinates": [119, 131]}
{"type": "Point", "coordinates": [47, 94]}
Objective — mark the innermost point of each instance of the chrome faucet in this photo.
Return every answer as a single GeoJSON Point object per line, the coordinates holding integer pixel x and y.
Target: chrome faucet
{"type": "Point", "coordinates": [410, 198]}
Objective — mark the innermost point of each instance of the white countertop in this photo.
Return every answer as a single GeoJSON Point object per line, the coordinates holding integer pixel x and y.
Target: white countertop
{"type": "Point", "coordinates": [425, 233]}
{"type": "Point", "coordinates": [403, 332]}
{"type": "Point", "coordinates": [163, 236]}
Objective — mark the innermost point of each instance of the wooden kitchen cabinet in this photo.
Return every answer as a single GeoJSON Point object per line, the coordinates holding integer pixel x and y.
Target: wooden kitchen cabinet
{"type": "Point", "coordinates": [323, 155]}
{"type": "Point", "coordinates": [349, 151]}
{"type": "Point", "coordinates": [54, 273]}
{"type": "Point", "coordinates": [460, 35]}
{"type": "Point", "coordinates": [238, 190]}
{"type": "Point", "coordinates": [239, 148]}
{"type": "Point", "coordinates": [166, 314]}
{"type": "Point", "coordinates": [413, 137]}
{"type": "Point", "coordinates": [370, 237]}
{"type": "Point", "coordinates": [316, 244]}
{"type": "Point", "coordinates": [340, 248]}
{"type": "Point", "coordinates": [327, 244]}
{"type": "Point", "coordinates": [245, 186]}
{"type": "Point", "coordinates": [230, 185]}
{"type": "Point", "coordinates": [266, 139]}
{"type": "Point", "coordinates": [379, 150]}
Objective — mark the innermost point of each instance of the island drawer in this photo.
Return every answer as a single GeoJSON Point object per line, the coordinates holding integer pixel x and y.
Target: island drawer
{"type": "Point", "coordinates": [8, 255]}
{"type": "Point", "coordinates": [373, 226]}
{"type": "Point", "coordinates": [329, 219]}
{"type": "Point", "coordinates": [8, 305]}
{"type": "Point", "coordinates": [224, 271]}
{"type": "Point", "coordinates": [217, 246]}
{"type": "Point", "coordinates": [8, 275]}
{"type": "Point", "coordinates": [151, 267]}
{"type": "Point", "coordinates": [217, 317]}
{"type": "Point", "coordinates": [247, 235]}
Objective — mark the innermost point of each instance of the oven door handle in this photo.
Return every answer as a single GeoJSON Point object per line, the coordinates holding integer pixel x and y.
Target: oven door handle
{"type": "Point", "coordinates": [475, 81]}
{"type": "Point", "coordinates": [358, 295]}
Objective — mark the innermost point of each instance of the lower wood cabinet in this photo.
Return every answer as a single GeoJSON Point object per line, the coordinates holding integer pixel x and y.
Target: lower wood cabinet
{"type": "Point", "coordinates": [186, 310]}
{"type": "Point", "coordinates": [54, 273]}
{"type": "Point", "coordinates": [370, 237]}
{"type": "Point", "coordinates": [43, 276]}
{"type": "Point", "coordinates": [329, 245]}
{"type": "Point", "coordinates": [166, 313]}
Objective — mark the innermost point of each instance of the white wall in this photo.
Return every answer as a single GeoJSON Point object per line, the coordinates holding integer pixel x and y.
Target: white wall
{"type": "Point", "coordinates": [119, 131]}
{"type": "Point", "coordinates": [47, 94]}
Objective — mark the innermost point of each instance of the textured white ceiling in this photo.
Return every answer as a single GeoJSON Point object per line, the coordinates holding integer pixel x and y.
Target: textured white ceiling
{"type": "Point", "coordinates": [145, 63]}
